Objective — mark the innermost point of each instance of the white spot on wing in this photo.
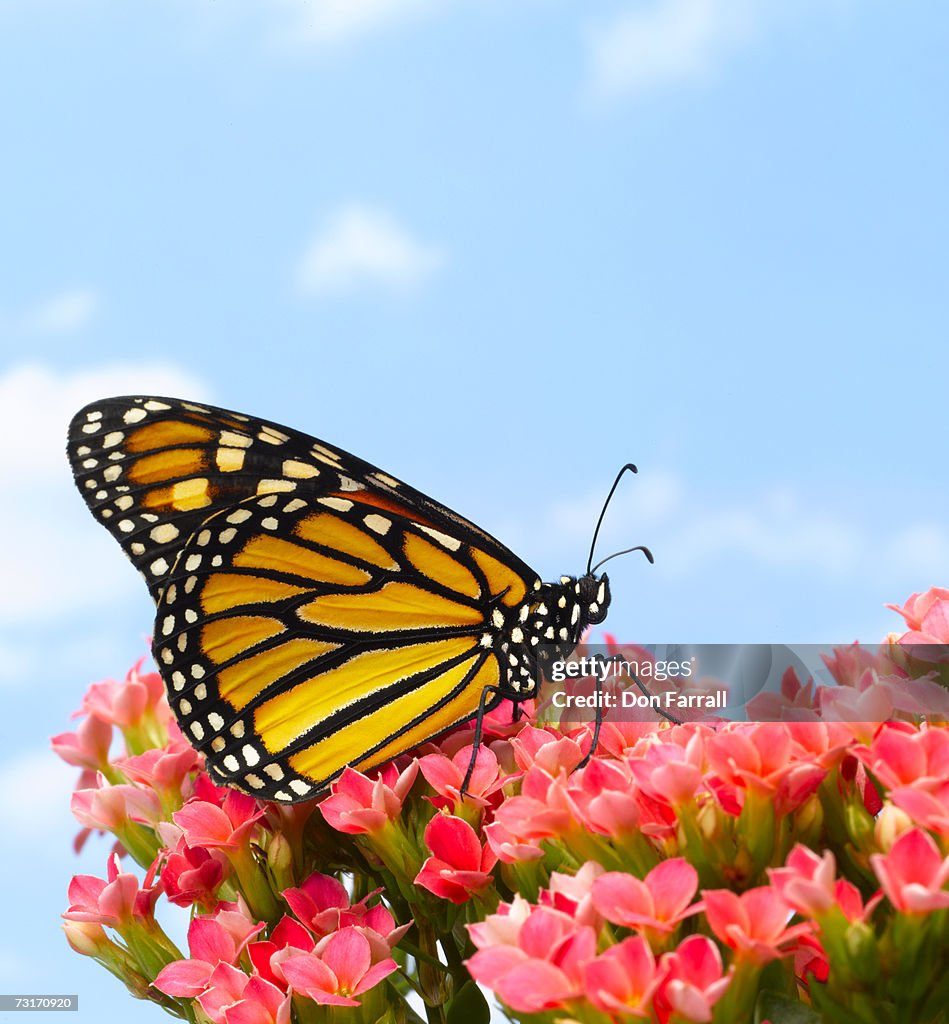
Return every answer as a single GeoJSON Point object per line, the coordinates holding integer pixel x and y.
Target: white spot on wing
{"type": "Point", "coordinates": [452, 543]}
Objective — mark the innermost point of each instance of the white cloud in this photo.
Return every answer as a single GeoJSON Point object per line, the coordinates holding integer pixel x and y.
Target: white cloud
{"type": "Point", "coordinates": [667, 41]}
{"type": "Point", "coordinates": [363, 247]}
{"type": "Point", "coordinates": [53, 548]}
{"type": "Point", "coordinates": [69, 310]}
{"type": "Point", "coordinates": [64, 312]}
{"type": "Point", "coordinates": [37, 786]}
{"type": "Point", "coordinates": [334, 21]}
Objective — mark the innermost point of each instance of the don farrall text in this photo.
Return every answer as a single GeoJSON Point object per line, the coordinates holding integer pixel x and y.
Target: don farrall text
{"type": "Point", "coordinates": [595, 681]}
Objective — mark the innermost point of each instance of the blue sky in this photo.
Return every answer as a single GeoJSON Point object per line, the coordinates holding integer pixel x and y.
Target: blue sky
{"type": "Point", "coordinates": [498, 249]}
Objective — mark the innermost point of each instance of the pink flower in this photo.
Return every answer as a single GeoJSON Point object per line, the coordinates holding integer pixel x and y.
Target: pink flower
{"type": "Point", "coordinates": [319, 903]}
{"type": "Point", "coordinates": [604, 798]}
{"type": "Point", "coordinates": [445, 775]}
{"type": "Point", "coordinates": [658, 902]}
{"type": "Point", "coordinates": [113, 808]}
{"type": "Point", "coordinates": [232, 997]}
{"type": "Point", "coordinates": [796, 701]}
{"type": "Point", "coordinates": [459, 867]}
{"type": "Point", "coordinates": [913, 874]}
{"type": "Point", "coordinates": [504, 927]}
{"type": "Point", "coordinates": [541, 810]}
{"type": "Point", "coordinates": [903, 755]}
{"type": "Point", "coordinates": [623, 979]}
{"type": "Point", "coordinates": [927, 616]}
{"type": "Point", "coordinates": [807, 882]}
{"type": "Point", "coordinates": [693, 981]}
{"type": "Point", "coordinates": [849, 665]}
{"type": "Point", "coordinates": [115, 901]}
{"type": "Point", "coordinates": [556, 754]}
{"type": "Point", "coordinates": [126, 704]}
{"type": "Point", "coordinates": [761, 757]}
{"type": "Point", "coordinates": [360, 804]}
{"type": "Point", "coordinates": [227, 827]}
{"type": "Point", "coordinates": [539, 965]}
{"type": "Point", "coordinates": [164, 769]}
{"type": "Point", "coordinates": [339, 969]}
{"type": "Point", "coordinates": [673, 772]}
{"type": "Point", "coordinates": [573, 894]}
{"type": "Point", "coordinates": [211, 941]}
{"type": "Point", "coordinates": [929, 809]}
{"type": "Point", "coordinates": [753, 924]}
{"type": "Point", "coordinates": [509, 847]}
{"type": "Point", "coordinates": [88, 746]}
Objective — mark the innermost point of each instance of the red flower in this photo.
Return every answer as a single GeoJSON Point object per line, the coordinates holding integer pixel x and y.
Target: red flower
{"type": "Point", "coordinates": [267, 954]}
{"type": "Point", "coordinates": [459, 866]}
{"type": "Point", "coordinates": [322, 904]}
{"type": "Point", "coordinates": [192, 874]}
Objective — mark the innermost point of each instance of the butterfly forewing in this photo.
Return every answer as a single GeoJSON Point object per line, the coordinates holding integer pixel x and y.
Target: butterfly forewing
{"type": "Point", "coordinates": [312, 611]}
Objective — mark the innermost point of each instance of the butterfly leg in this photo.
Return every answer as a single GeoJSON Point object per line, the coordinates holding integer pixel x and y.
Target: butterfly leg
{"type": "Point", "coordinates": [486, 694]}
{"type": "Point", "coordinates": [597, 723]}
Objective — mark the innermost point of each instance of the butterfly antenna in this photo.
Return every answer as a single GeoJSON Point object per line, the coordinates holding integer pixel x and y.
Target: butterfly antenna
{"type": "Point", "coordinates": [626, 551]}
{"type": "Point", "coordinates": [619, 476]}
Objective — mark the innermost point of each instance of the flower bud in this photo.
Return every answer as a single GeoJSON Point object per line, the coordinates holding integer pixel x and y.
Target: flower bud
{"type": "Point", "coordinates": [891, 823]}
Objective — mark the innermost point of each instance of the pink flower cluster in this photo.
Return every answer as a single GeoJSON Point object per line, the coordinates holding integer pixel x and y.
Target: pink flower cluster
{"type": "Point", "coordinates": [682, 873]}
{"type": "Point", "coordinates": [329, 951]}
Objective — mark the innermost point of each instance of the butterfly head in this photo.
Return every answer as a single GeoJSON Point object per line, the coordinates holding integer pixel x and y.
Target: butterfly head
{"type": "Point", "coordinates": [593, 595]}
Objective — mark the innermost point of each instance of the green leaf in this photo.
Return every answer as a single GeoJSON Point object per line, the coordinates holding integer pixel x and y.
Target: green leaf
{"type": "Point", "coordinates": [778, 1009]}
{"type": "Point", "coordinates": [469, 1006]}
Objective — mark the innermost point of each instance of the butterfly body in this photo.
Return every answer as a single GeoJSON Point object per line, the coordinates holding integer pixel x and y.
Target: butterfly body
{"type": "Point", "coordinates": [312, 611]}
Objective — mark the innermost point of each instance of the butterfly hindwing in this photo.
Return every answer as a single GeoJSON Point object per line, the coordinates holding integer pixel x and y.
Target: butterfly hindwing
{"type": "Point", "coordinates": [300, 636]}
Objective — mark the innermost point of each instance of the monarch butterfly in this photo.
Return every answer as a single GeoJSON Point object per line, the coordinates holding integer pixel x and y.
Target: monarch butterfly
{"type": "Point", "coordinates": [312, 611]}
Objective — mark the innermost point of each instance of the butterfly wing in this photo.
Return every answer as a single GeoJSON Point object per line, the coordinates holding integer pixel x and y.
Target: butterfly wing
{"type": "Point", "coordinates": [312, 611]}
